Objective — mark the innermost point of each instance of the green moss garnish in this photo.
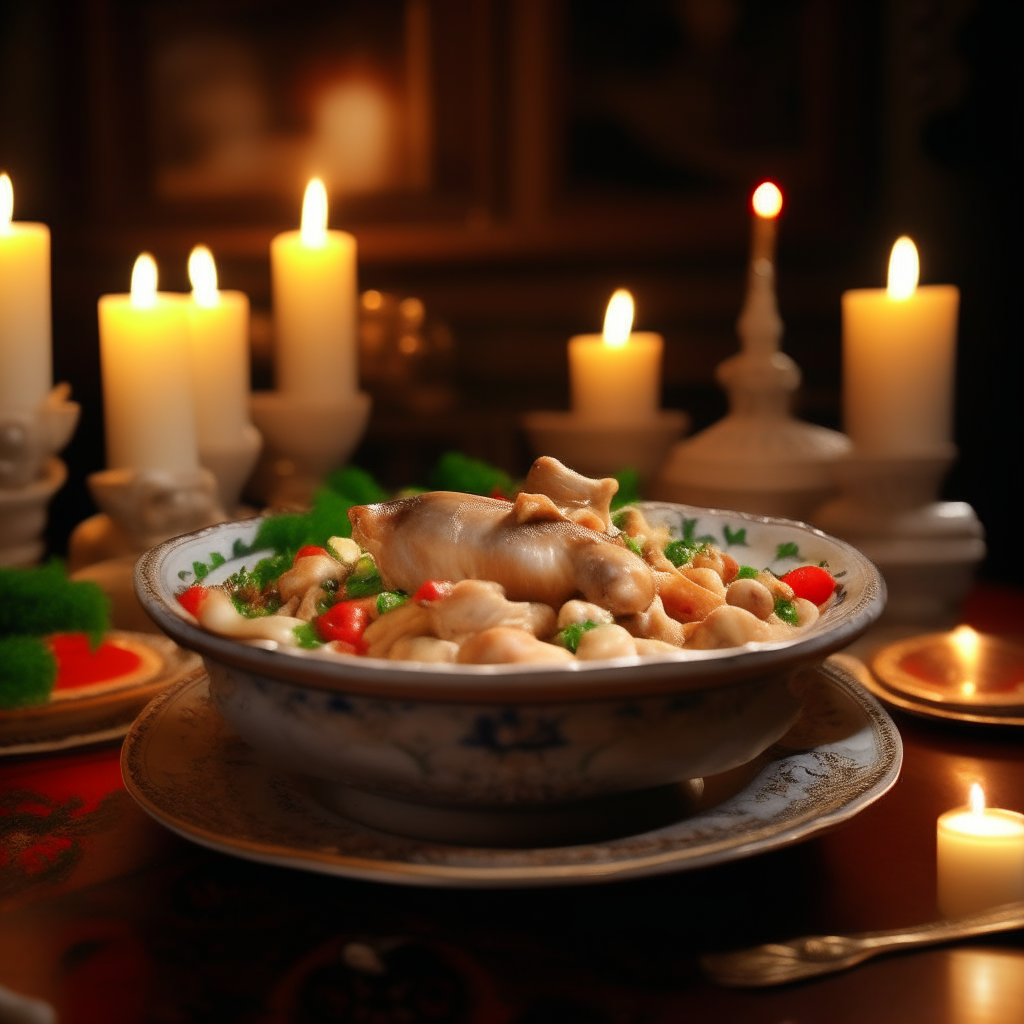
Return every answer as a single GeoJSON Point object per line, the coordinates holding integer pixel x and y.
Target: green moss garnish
{"type": "Point", "coordinates": [570, 636]}
{"type": "Point", "coordinates": [629, 488]}
{"type": "Point", "coordinates": [28, 671]}
{"type": "Point", "coordinates": [457, 472]}
{"type": "Point", "coordinates": [355, 484]}
{"type": "Point", "coordinates": [43, 600]}
{"type": "Point", "coordinates": [786, 611]}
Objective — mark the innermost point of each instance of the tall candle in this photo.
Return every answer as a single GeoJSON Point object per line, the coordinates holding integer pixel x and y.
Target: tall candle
{"type": "Point", "coordinates": [147, 376]}
{"type": "Point", "coordinates": [314, 286]}
{"type": "Point", "coordinates": [615, 377]}
{"type": "Point", "coordinates": [26, 361]}
{"type": "Point", "coordinates": [766, 202]}
{"type": "Point", "coordinates": [899, 348]}
{"type": "Point", "coordinates": [980, 857]}
{"type": "Point", "coordinates": [219, 341]}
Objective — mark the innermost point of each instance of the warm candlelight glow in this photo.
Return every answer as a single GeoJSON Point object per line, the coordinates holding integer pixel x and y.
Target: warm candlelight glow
{"type": "Point", "coordinates": [314, 215]}
{"type": "Point", "coordinates": [202, 272]}
{"type": "Point", "coordinates": [904, 269]}
{"type": "Point", "coordinates": [976, 799]}
{"type": "Point", "coordinates": [966, 641]}
{"type": "Point", "coordinates": [767, 200]}
{"type": "Point", "coordinates": [144, 282]}
{"type": "Point", "coordinates": [6, 203]}
{"type": "Point", "coordinates": [618, 320]}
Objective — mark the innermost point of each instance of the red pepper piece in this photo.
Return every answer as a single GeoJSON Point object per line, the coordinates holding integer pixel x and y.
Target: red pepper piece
{"type": "Point", "coordinates": [192, 598]}
{"type": "Point", "coordinates": [432, 590]}
{"type": "Point", "coordinates": [496, 493]}
{"type": "Point", "coordinates": [345, 622]}
{"type": "Point", "coordinates": [811, 582]}
{"type": "Point", "coordinates": [309, 549]}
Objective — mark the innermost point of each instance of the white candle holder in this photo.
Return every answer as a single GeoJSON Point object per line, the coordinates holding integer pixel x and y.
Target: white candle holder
{"type": "Point", "coordinates": [601, 449]}
{"type": "Point", "coordinates": [30, 473]}
{"type": "Point", "coordinates": [232, 465]}
{"type": "Point", "coordinates": [142, 508]}
{"type": "Point", "coordinates": [305, 438]}
{"type": "Point", "coordinates": [758, 458]}
{"type": "Point", "coordinates": [928, 550]}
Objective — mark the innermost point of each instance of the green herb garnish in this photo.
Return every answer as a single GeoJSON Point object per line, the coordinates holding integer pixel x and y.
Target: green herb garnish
{"type": "Point", "coordinates": [681, 552]}
{"type": "Point", "coordinates": [390, 599]}
{"type": "Point", "coordinates": [570, 636]}
{"type": "Point", "coordinates": [786, 611]}
{"type": "Point", "coordinates": [364, 580]}
{"type": "Point", "coordinates": [629, 488]}
{"type": "Point", "coordinates": [635, 544]}
{"type": "Point", "coordinates": [747, 572]}
{"type": "Point", "coordinates": [306, 636]}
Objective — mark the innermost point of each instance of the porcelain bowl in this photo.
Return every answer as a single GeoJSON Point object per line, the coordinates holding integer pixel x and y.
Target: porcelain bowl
{"type": "Point", "coordinates": [500, 736]}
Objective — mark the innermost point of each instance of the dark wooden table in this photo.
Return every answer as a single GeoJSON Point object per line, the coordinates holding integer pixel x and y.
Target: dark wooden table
{"type": "Point", "coordinates": [112, 919]}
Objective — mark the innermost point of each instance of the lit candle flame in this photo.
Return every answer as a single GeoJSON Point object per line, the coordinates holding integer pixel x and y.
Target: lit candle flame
{"type": "Point", "coordinates": [314, 215]}
{"type": "Point", "coordinates": [144, 279]}
{"type": "Point", "coordinates": [977, 799]}
{"type": "Point", "coordinates": [618, 319]}
{"type": "Point", "coordinates": [966, 641]}
{"type": "Point", "coordinates": [767, 200]}
{"type": "Point", "coordinates": [904, 269]}
{"type": "Point", "coordinates": [6, 203]}
{"type": "Point", "coordinates": [202, 272]}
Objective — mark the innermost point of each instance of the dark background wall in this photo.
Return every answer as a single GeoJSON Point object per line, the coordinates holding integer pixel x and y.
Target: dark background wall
{"type": "Point", "coordinates": [547, 153]}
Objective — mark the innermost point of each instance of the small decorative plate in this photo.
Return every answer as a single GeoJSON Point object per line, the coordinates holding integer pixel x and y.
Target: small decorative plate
{"type": "Point", "coordinates": [99, 711]}
{"type": "Point", "coordinates": [192, 773]}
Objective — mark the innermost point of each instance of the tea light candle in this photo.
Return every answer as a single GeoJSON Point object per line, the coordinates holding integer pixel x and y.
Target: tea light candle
{"type": "Point", "coordinates": [314, 290]}
{"type": "Point", "coordinates": [219, 343]}
{"type": "Point", "coordinates": [980, 857]}
{"type": "Point", "coordinates": [26, 361]}
{"type": "Point", "coordinates": [899, 348]}
{"type": "Point", "coordinates": [615, 377]}
{"type": "Point", "coordinates": [147, 376]}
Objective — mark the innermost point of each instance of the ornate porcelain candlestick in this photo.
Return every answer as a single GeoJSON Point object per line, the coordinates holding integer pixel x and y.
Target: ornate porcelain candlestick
{"type": "Point", "coordinates": [898, 356]}
{"type": "Point", "coordinates": [758, 458]}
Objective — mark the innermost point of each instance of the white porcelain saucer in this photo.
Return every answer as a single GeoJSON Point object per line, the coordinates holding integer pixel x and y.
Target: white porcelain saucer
{"type": "Point", "coordinates": [191, 772]}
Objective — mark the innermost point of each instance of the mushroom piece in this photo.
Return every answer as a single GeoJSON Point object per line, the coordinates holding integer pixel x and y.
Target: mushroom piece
{"type": "Point", "coordinates": [607, 641]}
{"type": "Point", "coordinates": [752, 595]}
{"type": "Point", "coordinates": [575, 611]}
{"type": "Point", "coordinates": [423, 648]}
{"type": "Point", "coordinates": [502, 645]}
{"type": "Point", "coordinates": [729, 626]}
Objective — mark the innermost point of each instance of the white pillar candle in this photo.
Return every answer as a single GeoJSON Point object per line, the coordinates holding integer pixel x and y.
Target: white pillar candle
{"type": "Point", "coordinates": [26, 360]}
{"type": "Point", "coordinates": [147, 376]}
{"type": "Point", "coordinates": [980, 857]}
{"type": "Point", "coordinates": [899, 351]}
{"type": "Point", "coordinates": [314, 286]}
{"type": "Point", "coordinates": [219, 342]}
{"type": "Point", "coordinates": [615, 377]}
{"type": "Point", "coordinates": [766, 203]}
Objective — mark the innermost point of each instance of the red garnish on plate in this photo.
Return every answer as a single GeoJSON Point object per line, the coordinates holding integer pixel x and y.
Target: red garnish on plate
{"type": "Point", "coordinates": [432, 590]}
{"type": "Point", "coordinates": [192, 598]}
{"type": "Point", "coordinates": [811, 582]}
{"type": "Point", "coordinates": [345, 622]}
{"type": "Point", "coordinates": [79, 665]}
{"type": "Point", "coordinates": [308, 550]}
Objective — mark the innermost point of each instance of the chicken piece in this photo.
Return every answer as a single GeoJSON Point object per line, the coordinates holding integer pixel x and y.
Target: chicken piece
{"type": "Point", "coordinates": [308, 572]}
{"type": "Point", "coordinates": [654, 538]}
{"type": "Point", "coordinates": [655, 624]}
{"type": "Point", "coordinates": [408, 620]}
{"type": "Point", "coordinates": [444, 535]}
{"type": "Point", "coordinates": [775, 585]}
{"type": "Point", "coordinates": [290, 606]}
{"type": "Point", "coordinates": [573, 612]}
{"type": "Point", "coordinates": [580, 498]}
{"type": "Point", "coordinates": [706, 578]}
{"type": "Point", "coordinates": [729, 626]}
{"type": "Point", "coordinates": [608, 641]}
{"type": "Point", "coordinates": [752, 595]}
{"type": "Point", "coordinates": [307, 606]}
{"type": "Point", "coordinates": [424, 648]}
{"type": "Point", "coordinates": [684, 599]}
{"type": "Point", "coordinates": [219, 615]}
{"type": "Point", "coordinates": [502, 645]}
{"type": "Point", "coordinates": [475, 605]}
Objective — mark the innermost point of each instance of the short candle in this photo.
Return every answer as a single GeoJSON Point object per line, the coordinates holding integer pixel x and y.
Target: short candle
{"type": "Point", "coordinates": [313, 272]}
{"type": "Point", "coordinates": [219, 339]}
{"type": "Point", "coordinates": [26, 361]}
{"type": "Point", "coordinates": [615, 377]}
{"type": "Point", "coordinates": [147, 377]}
{"type": "Point", "coordinates": [899, 349]}
{"type": "Point", "coordinates": [980, 857]}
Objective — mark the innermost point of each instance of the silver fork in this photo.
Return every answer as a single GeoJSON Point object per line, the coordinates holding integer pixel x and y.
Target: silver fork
{"type": "Point", "coordinates": [779, 962]}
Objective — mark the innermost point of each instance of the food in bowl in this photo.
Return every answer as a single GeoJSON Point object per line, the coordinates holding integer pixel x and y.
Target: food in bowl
{"type": "Point", "coordinates": [551, 577]}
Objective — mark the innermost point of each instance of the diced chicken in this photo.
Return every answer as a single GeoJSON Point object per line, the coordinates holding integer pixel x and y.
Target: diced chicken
{"type": "Point", "coordinates": [475, 605]}
{"type": "Point", "coordinates": [575, 611]}
{"type": "Point", "coordinates": [424, 648]}
{"type": "Point", "coordinates": [502, 645]}
{"type": "Point", "coordinates": [313, 570]}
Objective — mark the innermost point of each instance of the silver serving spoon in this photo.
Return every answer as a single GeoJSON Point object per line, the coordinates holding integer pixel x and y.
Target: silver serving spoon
{"type": "Point", "coordinates": [779, 962]}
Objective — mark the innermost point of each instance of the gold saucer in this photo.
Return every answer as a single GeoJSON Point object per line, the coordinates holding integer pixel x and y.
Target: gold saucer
{"type": "Point", "coordinates": [962, 675]}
